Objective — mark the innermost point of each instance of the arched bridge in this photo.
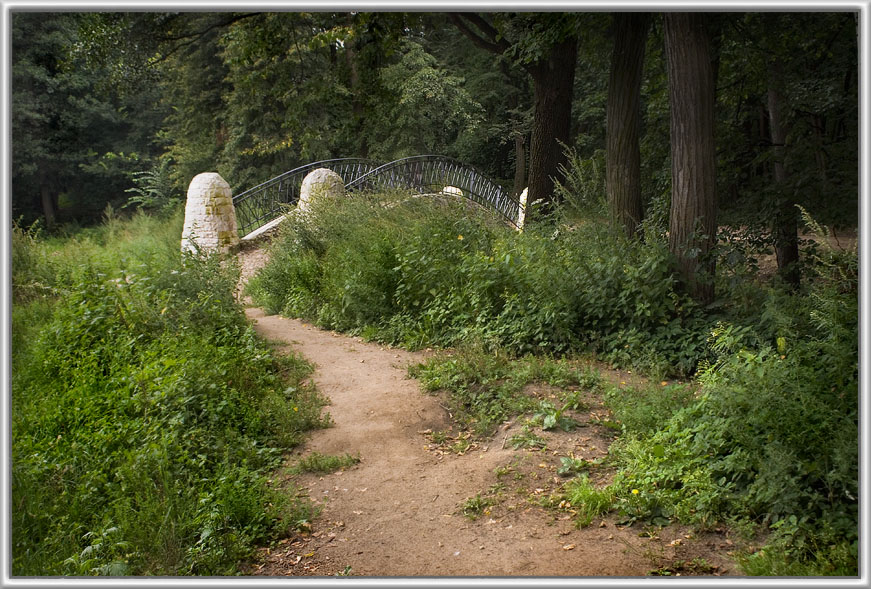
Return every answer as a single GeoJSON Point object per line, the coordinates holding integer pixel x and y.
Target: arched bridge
{"type": "Point", "coordinates": [424, 174]}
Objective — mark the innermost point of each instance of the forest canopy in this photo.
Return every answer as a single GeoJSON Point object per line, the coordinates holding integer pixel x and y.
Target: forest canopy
{"type": "Point", "coordinates": [99, 98]}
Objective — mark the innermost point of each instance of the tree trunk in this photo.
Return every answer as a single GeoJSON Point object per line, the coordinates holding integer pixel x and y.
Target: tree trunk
{"type": "Point", "coordinates": [785, 214]}
{"type": "Point", "coordinates": [553, 83]}
{"type": "Point", "coordinates": [693, 215]}
{"type": "Point", "coordinates": [357, 108]}
{"type": "Point", "coordinates": [49, 206]}
{"type": "Point", "coordinates": [623, 115]}
{"type": "Point", "coordinates": [519, 164]}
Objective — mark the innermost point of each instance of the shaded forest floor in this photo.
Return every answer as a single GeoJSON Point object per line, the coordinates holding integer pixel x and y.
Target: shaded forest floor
{"type": "Point", "coordinates": [399, 511]}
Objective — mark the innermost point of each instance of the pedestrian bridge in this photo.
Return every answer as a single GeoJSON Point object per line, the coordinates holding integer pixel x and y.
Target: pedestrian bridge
{"type": "Point", "coordinates": [262, 206]}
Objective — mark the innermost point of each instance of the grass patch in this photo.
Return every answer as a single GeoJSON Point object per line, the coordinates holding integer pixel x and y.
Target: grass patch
{"type": "Point", "coordinates": [589, 501]}
{"type": "Point", "coordinates": [323, 463]}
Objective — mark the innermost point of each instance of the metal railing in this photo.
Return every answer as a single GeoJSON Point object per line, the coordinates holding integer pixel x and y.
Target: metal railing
{"type": "Point", "coordinates": [432, 174]}
{"type": "Point", "coordinates": [261, 204]}
{"type": "Point", "coordinates": [424, 174]}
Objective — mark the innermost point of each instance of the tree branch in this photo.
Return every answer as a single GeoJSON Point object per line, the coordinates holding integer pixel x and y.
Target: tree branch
{"type": "Point", "coordinates": [488, 41]}
{"type": "Point", "coordinates": [191, 38]}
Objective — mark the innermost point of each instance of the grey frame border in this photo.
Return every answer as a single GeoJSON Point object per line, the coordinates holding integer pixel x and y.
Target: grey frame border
{"type": "Point", "coordinates": [7, 7]}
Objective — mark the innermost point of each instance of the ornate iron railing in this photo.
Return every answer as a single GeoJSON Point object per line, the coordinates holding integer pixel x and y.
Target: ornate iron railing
{"type": "Point", "coordinates": [261, 204]}
{"type": "Point", "coordinates": [432, 174]}
{"type": "Point", "coordinates": [423, 173]}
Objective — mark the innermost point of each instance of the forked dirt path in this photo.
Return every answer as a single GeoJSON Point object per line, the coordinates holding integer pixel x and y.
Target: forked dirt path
{"type": "Point", "coordinates": [399, 511]}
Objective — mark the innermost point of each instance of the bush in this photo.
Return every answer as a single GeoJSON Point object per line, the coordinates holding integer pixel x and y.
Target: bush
{"type": "Point", "coordinates": [145, 412]}
{"type": "Point", "coordinates": [414, 272]}
{"type": "Point", "coordinates": [772, 436]}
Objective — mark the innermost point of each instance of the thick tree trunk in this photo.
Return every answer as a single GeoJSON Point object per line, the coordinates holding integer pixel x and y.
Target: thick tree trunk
{"type": "Point", "coordinates": [553, 82]}
{"type": "Point", "coordinates": [623, 114]}
{"type": "Point", "coordinates": [785, 215]}
{"type": "Point", "coordinates": [693, 215]}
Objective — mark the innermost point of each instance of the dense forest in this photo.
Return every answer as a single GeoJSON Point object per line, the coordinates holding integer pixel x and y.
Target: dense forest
{"type": "Point", "coordinates": [688, 175]}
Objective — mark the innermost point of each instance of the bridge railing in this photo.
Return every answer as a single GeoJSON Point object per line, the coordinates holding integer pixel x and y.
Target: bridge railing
{"type": "Point", "coordinates": [432, 173]}
{"type": "Point", "coordinates": [261, 204]}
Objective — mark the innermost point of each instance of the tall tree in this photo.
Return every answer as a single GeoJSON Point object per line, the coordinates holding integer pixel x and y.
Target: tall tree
{"type": "Point", "coordinates": [623, 120]}
{"type": "Point", "coordinates": [693, 214]}
{"type": "Point", "coordinates": [546, 45]}
{"type": "Point", "coordinates": [75, 139]}
{"type": "Point", "coordinates": [785, 220]}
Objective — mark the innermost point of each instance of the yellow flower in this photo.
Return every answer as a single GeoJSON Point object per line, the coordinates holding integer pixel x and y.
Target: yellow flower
{"type": "Point", "coordinates": [296, 408]}
{"type": "Point", "coordinates": [460, 237]}
{"type": "Point", "coordinates": [635, 491]}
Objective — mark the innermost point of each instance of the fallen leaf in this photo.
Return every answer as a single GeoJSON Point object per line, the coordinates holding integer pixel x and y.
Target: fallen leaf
{"type": "Point", "coordinates": [569, 547]}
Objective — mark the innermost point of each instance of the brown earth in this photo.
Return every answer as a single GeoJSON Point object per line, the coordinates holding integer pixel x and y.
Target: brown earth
{"type": "Point", "coordinates": [399, 511]}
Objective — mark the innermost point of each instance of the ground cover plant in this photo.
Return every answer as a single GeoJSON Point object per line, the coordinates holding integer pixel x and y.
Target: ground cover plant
{"type": "Point", "coordinates": [145, 414]}
{"type": "Point", "coordinates": [765, 435]}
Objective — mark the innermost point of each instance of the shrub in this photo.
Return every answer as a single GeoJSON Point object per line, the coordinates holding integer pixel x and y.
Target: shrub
{"type": "Point", "coordinates": [145, 412]}
{"type": "Point", "coordinates": [772, 436]}
{"type": "Point", "coordinates": [417, 273]}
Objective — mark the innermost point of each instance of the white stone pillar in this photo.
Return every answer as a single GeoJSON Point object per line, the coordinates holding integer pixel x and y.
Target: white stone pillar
{"type": "Point", "coordinates": [209, 216]}
{"type": "Point", "coordinates": [317, 184]}
{"type": "Point", "coordinates": [521, 214]}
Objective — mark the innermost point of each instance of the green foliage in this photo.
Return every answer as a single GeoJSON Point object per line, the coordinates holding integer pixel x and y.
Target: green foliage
{"type": "Point", "coordinates": [323, 463]}
{"type": "Point", "coordinates": [550, 417]}
{"type": "Point", "coordinates": [154, 189]}
{"type": "Point", "coordinates": [476, 506]}
{"type": "Point", "coordinates": [771, 436]}
{"type": "Point", "coordinates": [582, 189]}
{"type": "Point", "coordinates": [527, 438]}
{"type": "Point", "coordinates": [415, 272]}
{"type": "Point", "coordinates": [644, 410]}
{"type": "Point", "coordinates": [145, 412]}
{"type": "Point", "coordinates": [588, 500]}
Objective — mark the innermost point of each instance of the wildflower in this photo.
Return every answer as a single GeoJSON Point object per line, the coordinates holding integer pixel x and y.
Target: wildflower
{"type": "Point", "coordinates": [635, 491]}
{"type": "Point", "coordinates": [460, 237]}
{"type": "Point", "coordinates": [296, 408]}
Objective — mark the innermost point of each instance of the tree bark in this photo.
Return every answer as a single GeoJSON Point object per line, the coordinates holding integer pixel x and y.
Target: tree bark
{"type": "Point", "coordinates": [693, 214]}
{"type": "Point", "coordinates": [553, 83]}
{"type": "Point", "coordinates": [623, 117]}
{"type": "Point", "coordinates": [785, 214]}
{"type": "Point", "coordinates": [519, 164]}
{"type": "Point", "coordinates": [49, 206]}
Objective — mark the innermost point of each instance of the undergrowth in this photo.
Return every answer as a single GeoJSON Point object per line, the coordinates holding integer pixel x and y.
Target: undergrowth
{"type": "Point", "coordinates": [764, 436]}
{"type": "Point", "coordinates": [145, 413]}
{"type": "Point", "coordinates": [417, 273]}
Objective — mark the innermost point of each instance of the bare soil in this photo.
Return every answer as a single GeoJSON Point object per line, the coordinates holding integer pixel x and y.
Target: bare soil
{"type": "Point", "coordinates": [399, 511]}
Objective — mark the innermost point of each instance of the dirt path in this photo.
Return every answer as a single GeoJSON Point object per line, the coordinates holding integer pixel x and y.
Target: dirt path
{"type": "Point", "coordinates": [399, 511]}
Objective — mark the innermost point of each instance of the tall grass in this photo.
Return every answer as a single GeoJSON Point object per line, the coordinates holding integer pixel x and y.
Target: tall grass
{"type": "Point", "coordinates": [145, 413]}
{"type": "Point", "coordinates": [417, 272]}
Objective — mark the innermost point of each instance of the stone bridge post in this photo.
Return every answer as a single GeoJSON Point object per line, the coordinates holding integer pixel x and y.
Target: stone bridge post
{"type": "Point", "coordinates": [209, 216]}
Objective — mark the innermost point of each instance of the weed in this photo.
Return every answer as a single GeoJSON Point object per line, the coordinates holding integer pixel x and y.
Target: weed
{"type": "Point", "coordinates": [550, 417]}
{"type": "Point", "coordinates": [476, 506]}
{"type": "Point", "coordinates": [527, 439]}
{"type": "Point", "coordinates": [570, 466]}
{"type": "Point", "coordinates": [696, 566]}
{"type": "Point", "coordinates": [587, 500]}
{"type": "Point", "coordinates": [323, 463]}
